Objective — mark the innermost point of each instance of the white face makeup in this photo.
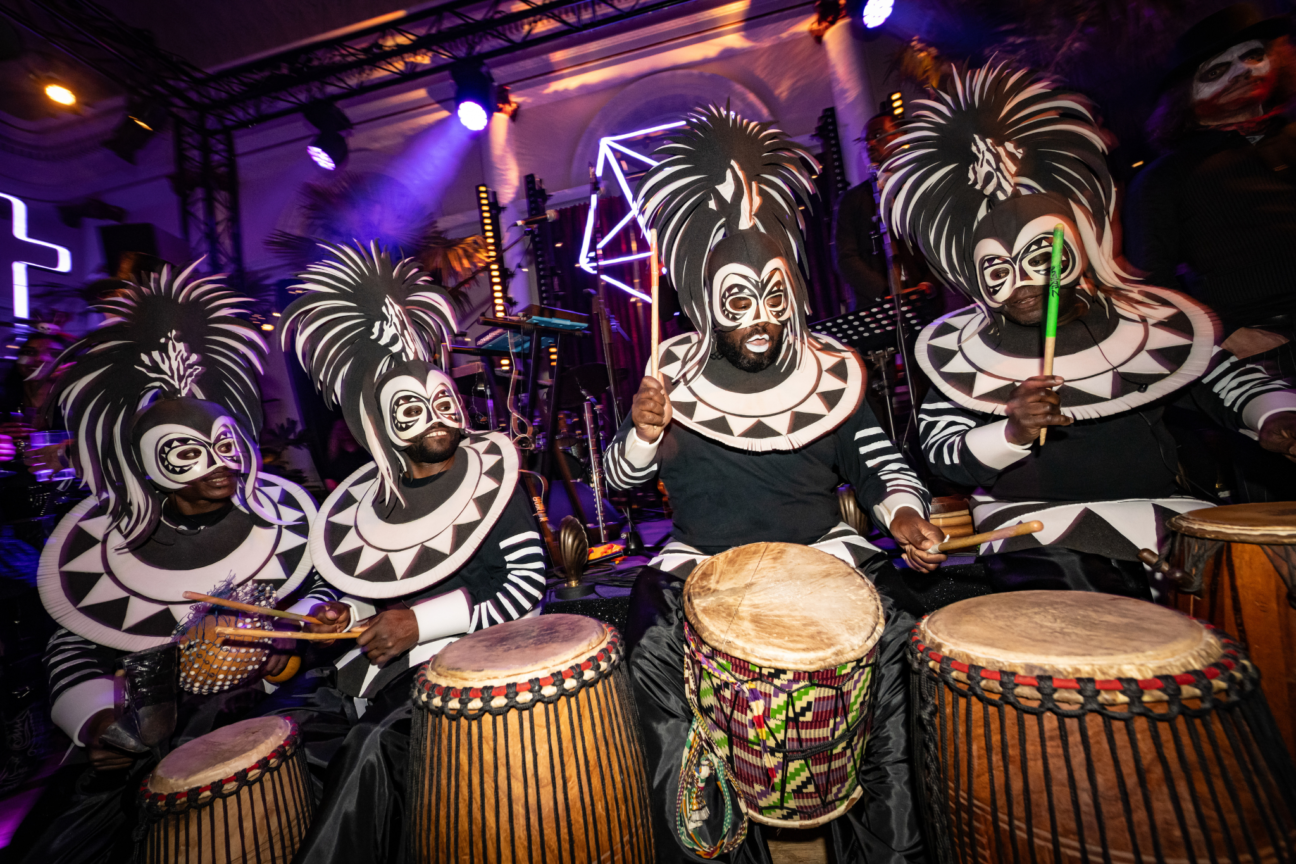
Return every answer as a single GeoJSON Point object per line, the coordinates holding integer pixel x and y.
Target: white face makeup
{"type": "Point", "coordinates": [1002, 271]}
{"type": "Point", "coordinates": [1245, 60]}
{"type": "Point", "coordinates": [411, 406]}
{"type": "Point", "coordinates": [176, 455]}
{"type": "Point", "coordinates": [741, 297]}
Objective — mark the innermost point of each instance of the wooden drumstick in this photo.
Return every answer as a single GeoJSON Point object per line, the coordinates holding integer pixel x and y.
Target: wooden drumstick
{"type": "Point", "coordinates": [655, 281]}
{"type": "Point", "coordinates": [1177, 576]}
{"type": "Point", "coordinates": [988, 537]}
{"type": "Point", "coordinates": [248, 633]}
{"type": "Point", "coordinates": [248, 607]}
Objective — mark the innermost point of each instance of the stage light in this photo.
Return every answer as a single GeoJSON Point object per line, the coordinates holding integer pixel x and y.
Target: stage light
{"type": "Point", "coordinates": [897, 105]}
{"type": "Point", "coordinates": [473, 116]}
{"type": "Point", "coordinates": [144, 118]}
{"type": "Point", "coordinates": [475, 98]}
{"type": "Point", "coordinates": [328, 149]}
{"type": "Point", "coordinates": [876, 12]}
{"type": "Point", "coordinates": [60, 94]}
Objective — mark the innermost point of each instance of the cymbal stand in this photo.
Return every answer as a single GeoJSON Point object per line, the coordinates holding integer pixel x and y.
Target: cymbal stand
{"type": "Point", "coordinates": [596, 466]}
{"type": "Point", "coordinates": [893, 280]}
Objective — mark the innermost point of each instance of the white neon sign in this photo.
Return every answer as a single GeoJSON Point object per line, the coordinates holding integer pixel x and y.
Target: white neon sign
{"type": "Point", "coordinates": [608, 157]}
{"type": "Point", "coordinates": [21, 308]}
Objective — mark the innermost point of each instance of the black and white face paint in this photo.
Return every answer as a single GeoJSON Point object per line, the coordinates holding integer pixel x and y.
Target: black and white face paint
{"type": "Point", "coordinates": [1244, 60]}
{"type": "Point", "coordinates": [1002, 270]}
{"type": "Point", "coordinates": [741, 297]}
{"type": "Point", "coordinates": [175, 455]}
{"type": "Point", "coordinates": [411, 406]}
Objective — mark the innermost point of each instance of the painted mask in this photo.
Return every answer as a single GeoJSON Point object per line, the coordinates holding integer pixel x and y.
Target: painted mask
{"type": "Point", "coordinates": [183, 440]}
{"type": "Point", "coordinates": [1014, 247]}
{"type": "Point", "coordinates": [750, 282]}
{"type": "Point", "coordinates": [415, 396]}
{"type": "Point", "coordinates": [1240, 76]}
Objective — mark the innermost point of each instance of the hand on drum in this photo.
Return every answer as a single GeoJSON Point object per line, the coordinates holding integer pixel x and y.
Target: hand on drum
{"type": "Point", "coordinates": [388, 635]}
{"type": "Point", "coordinates": [651, 410]}
{"type": "Point", "coordinates": [1279, 434]}
{"type": "Point", "coordinates": [916, 535]}
{"type": "Point", "coordinates": [336, 617]}
{"type": "Point", "coordinates": [104, 758]}
{"type": "Point", "coordinates": [1032, 407]}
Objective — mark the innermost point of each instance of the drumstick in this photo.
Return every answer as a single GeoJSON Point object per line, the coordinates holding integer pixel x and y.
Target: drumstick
{"type": "Point", "coordinates": [1051, 313]}
{"type": "Point", "coordinates": [988, 537]}
{"type": "Point", "coordinates": [655, 281]}
{"type": "Point", "coordinates": [286, 634]}
{"type": "Point", "coordinates": [248, 607]}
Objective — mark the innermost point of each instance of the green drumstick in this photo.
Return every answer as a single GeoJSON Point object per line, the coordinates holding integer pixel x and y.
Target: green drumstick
{"type": "Point", "coordinates": [1051, 310]}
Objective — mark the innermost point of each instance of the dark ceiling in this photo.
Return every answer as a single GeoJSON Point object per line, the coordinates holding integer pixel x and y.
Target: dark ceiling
{"type": "Point", "coordinates": [206, 34]}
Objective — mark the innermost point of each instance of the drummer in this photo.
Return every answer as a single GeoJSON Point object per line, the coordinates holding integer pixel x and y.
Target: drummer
{"type": "Point", "coordinates": [758, 423]}
{"type": "Point", "coordinates": [981, 195]}
{"type": "Point", "coordinates": [448, 545]}
{"type": "Point", "coordinates": [181, 510]}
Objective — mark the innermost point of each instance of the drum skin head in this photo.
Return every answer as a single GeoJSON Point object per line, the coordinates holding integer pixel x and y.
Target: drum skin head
{"type": "Point", "coordinates": [517, 650]}
{"type": "Point", "coordinates": [219, 754]}
{"type": "Point", "coordinates": [784, 606]}
{"type": "Point", "coordinates": [1070, 634]}
{"type": "Point", "coordinates": [1268, 523]}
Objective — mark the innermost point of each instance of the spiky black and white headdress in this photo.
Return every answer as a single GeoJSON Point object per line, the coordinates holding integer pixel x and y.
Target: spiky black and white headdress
{"type": "Point", "coordinates": [722, 175]}
{"type": "Point", "coordinates": [364, 314]}
{"type": "Point", "coordinates": [171, 338]}
{"type": "Point", "coordinates": [1000, 133]}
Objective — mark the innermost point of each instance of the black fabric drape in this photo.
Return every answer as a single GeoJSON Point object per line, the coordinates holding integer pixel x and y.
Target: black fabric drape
{"type": "Point", "coordinates": [882, 827]}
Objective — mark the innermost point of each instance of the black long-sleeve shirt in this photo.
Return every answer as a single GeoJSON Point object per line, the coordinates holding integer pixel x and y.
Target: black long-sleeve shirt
{"type": "Point", "coordinates": [1221, 211]}
{"type": "Point", "coordinates": [1128, 455]}
{"type": "Point", "coordinates": [724, 497]}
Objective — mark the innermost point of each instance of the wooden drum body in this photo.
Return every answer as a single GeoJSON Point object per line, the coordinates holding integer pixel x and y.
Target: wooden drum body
{"type": "Point", "coordinates": [1061, 727]}
{"type": "Point", "coordinates": [1242, 560]}
{"type": "Point", "coordinates": [779, 665]}
{"type": "Point", "coordinates": [214, 664]}
{"type": "Point", "coordinates": [239, 794]}
{"type": "Point", "coordinates": [525, 747]}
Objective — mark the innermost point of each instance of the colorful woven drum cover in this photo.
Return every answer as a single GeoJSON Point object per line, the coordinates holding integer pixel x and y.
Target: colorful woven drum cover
{"type": "Point", "coordinates": [780, 651]}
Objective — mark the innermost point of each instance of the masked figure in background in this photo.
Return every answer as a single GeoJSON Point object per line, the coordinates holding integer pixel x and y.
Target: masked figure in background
{"type": "Point", "coordinates": [986, 173]}
{"type": "Point", "coordinates": [165, 410]}
{"type": "Point", "coordinates": [432, 540]}
{"type": "Point", "coordinates": [757, 423]}
{"type": "Point", "coordinates": [1216, 214]}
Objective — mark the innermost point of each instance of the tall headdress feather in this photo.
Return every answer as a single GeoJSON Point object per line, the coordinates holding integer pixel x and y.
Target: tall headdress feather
{"type": "Point", "coordinates": [171, 337]}
{"type": "Point", "coordinates": [719, 175]}
{"type": "Point", "coordinates": [363, 314]}
{"type": "Point", "coordinates": [1000, 132]}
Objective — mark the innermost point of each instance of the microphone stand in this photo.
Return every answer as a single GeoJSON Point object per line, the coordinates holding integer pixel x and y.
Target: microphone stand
{"type": "Point", "coordinates": [893, 281]}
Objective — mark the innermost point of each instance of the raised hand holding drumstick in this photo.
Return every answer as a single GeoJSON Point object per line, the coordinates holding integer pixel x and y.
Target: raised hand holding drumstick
{"type": "Point", "coordinates": [1032, 408]}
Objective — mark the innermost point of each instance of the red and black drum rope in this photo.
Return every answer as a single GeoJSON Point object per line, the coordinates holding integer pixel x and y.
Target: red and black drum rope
{"type": "Point", "coordinates": [166, 831]}
{"type": "Point", "coordinates": [574, 734]}
{"type": "Point", "coordinates": [1249, 770]}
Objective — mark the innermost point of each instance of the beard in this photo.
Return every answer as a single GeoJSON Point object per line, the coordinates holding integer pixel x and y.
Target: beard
{"type": "Point", "coordinates": [433, 450]}
{"type": "Point", "coordinates": [732, 346]}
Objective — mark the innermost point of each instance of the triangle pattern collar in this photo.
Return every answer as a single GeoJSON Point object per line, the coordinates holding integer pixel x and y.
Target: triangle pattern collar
{"type": "Point", "coordinates": [1152, 350]}
{"type": "Point", "coordinates": [119, 599]}
{"type": "Point", "coordinates": [365, 554]}
{"type": "Point", "coordinates": [819, 395]}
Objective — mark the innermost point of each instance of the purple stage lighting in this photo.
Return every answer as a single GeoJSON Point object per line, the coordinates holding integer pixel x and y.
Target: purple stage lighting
{"type": "Point", "coordinates": [473, 116]}
{"type": "Point", "coordinates": [876, 12]}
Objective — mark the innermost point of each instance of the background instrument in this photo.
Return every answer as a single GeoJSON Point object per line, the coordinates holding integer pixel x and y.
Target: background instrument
{"type": "Point", "coordinates": [1068, 726]}
{"type": "Point", "coordinates": [1241, 561]}
{"type": "Point", "coordinates": [483, 790]}
{"type": "Point", "coordinates": [240, 793]}
{"type": "Point", "coordinates": [221, 652]}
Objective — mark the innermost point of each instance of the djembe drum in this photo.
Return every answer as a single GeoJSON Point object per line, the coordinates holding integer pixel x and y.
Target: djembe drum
{"type": "Point", "coordinates": [525, 747]}
{"type": "Point", "coordinates": [1240, 561]}
{"type": "Point", "coordinates": [779, 666]}
{"type": "Point", "coordinates": [1062, 726]}
{"type": "Point", "coordinates": [239, 794]}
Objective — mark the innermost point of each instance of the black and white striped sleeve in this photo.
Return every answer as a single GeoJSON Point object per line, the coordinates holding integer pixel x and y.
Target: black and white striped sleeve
{"type": "Point", "coordinates": [316, 591]}
{"type": "Point", "coordinates": [629, 462]}
{"type": "Point", "coordinates": [506, 580]}
{"type": "Point", "coordinates": [883, 481]}
{"type": "Point", "coordinates": [80, 680]}
{"type": "Point", "coordinates": [1241, 395]}
{"type": "Point", "coordinates": [962, 446]}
